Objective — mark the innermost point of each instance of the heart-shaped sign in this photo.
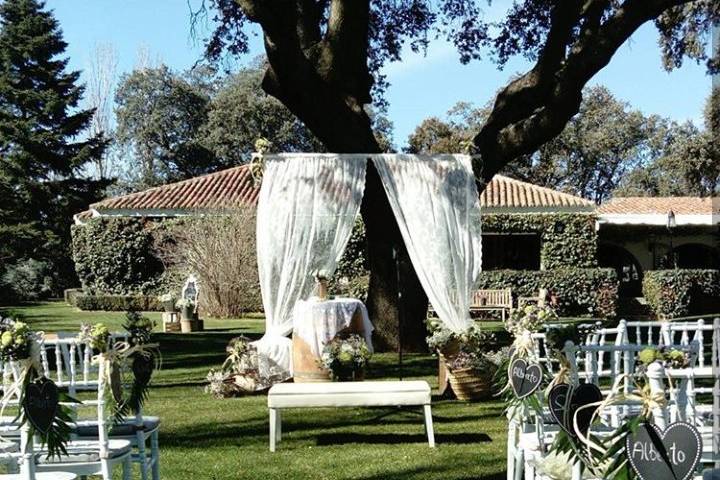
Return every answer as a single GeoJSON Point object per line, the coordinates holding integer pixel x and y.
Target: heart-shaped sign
{"type": "Point", "coordinates": [563, 409]}
{"type": "Point", "coordinates": [40, 403]}
{"type": "Point", "coordinates": [657, 455]}
{"type": "Point", "coordinates": [582, 395]}
{"type": "Point", "coordinates": [142, 367]}
{"type": "Point", "coordinates": [557, 398]}
{"type": "Point", "coordinates": [524, 378]}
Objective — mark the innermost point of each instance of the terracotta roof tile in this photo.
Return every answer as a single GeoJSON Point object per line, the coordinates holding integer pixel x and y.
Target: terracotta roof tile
{"type": "Point", "coordinates": [506, 192]}
{"type": "Point", "coordinates": [234, 186]}
{"type": "Point", "coordinates": [661, 205]}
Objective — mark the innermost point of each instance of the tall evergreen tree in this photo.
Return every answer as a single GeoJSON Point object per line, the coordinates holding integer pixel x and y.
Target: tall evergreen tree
{"type": "Point", "coordinates": [43, 146]}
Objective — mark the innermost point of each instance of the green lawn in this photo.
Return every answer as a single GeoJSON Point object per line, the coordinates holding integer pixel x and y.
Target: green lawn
{"type": "Point", "coordinates": [206, 438]}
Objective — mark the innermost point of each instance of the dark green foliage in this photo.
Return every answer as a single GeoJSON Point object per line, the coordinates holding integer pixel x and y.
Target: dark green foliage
{"type": "Point", "coordinates": [579, 291]}
{"type": "Point", "coordinates": [568, 239]}
{"type": "Point", "coordinates": [352, 274]}
{"type": "Point", "coordinates": [117, 303]}
{"type": "Point", "coordinates": [671, 293]}
{"type": "Point", "coordinates": [42, 141]}
{"type": "Point", "coordinates": [116, 255]}
{"type": "Point", "coordinates": [30, 280]}
{"type": "Point", "coordinates": [70, 295]}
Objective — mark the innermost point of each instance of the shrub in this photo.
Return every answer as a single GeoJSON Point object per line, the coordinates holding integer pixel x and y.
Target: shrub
{"type": "Point", "coordinates": [118, 303]}
{"type": "Point", "coordinates": [579, 291]}
{"type": "Point", "coordinates": [352, 276]}
{"type": "Point", "coordinates": [671, 293]}
{"type": "Point", "coordinates": [70, 295]}
{"type": "Point", "coordinates": [220, 250]}
{"type": "Point", "coordinates": [569, 240]}
{"type": "Point", "coordinates": [29, 279]}
{"type": "Point", "coordinates": [116, 255]}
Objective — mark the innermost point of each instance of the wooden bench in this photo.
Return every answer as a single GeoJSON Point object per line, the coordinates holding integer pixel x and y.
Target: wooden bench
{"type": "Point", "coordinates": [492, 300]}
{"type": "Point", "coordinates": [347, 394]}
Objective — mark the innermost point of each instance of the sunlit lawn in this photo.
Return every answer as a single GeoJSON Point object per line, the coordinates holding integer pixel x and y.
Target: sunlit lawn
{"type": "Point", "coordinates": [206, 438]}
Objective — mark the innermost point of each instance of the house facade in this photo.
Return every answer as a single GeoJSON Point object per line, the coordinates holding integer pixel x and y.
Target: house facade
{"type": "Point", "coordinates": [529, 231]}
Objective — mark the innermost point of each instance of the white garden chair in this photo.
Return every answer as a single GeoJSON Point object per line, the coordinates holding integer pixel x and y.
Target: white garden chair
{"type": "Point", "coordinates": [73, 369]}
{"type": "Point", "coordinates": [84, 458]}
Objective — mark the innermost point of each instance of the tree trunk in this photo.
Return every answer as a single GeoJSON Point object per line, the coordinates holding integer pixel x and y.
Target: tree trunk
{"type": "Point", "coordinates": [385, 307]}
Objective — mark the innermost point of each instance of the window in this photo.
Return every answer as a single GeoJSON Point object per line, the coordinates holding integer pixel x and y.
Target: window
{"type": "Point", "coordinates": [514, 252]}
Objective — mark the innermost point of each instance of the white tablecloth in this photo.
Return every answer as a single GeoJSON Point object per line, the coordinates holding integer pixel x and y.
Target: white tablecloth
{"type": "Point", "coordinates": [317, 322]}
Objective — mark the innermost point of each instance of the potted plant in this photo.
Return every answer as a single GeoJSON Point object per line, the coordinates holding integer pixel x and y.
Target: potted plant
{"type": "Point", "coordinates": [187, 308]}
{"type": "Point", "coordinates": [468, 358]}
{"type": "Point", "coordinates": [346, 356]}
{"type": "Point", "coordinates": [167, 300]}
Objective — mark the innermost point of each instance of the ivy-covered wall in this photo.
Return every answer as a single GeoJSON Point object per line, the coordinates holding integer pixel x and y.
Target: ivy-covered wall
{"type": "Point", "coordinates": [116, 255]}
{"type": "Point", "coordinates": [567, 239]}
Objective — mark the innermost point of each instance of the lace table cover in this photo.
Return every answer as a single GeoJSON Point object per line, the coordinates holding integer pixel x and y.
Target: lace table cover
{"type": "Point", "coordinates": [317, 322]}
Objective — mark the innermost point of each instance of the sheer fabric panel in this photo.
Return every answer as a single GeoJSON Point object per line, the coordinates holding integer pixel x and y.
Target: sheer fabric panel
{"type": "Point", "coordinates": [306, 211]}
{"type": "Point", "coordinates": [436, 204]}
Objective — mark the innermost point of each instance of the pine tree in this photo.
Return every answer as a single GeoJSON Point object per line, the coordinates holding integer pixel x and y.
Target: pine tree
{"type": "Point", "coordinates": [43, 141]}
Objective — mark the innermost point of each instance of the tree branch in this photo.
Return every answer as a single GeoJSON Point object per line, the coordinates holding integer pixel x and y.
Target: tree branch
{"type": "Point", "coordinates": [506, 136]}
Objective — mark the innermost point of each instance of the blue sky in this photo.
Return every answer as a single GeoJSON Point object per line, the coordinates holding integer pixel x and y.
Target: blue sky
{"type": "Point", "coordinates": [422, 85]}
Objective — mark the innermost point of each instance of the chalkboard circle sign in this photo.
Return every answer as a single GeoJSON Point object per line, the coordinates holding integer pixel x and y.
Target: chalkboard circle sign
{"type": "Point", "coordinates": [40, 403]}
{"type": "Point", "coordinates": [142, 367]}
{"type": "Point", "coordinates": [655, 454]}
{"type": "Point", "coordinates": [524, 378]}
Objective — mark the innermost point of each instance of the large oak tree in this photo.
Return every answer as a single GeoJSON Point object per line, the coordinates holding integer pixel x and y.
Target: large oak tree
{"type": "Point", "coordinates": [324, 65]}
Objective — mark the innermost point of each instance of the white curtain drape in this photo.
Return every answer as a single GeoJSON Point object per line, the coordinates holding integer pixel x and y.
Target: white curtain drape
{"type": "Point", "coordinates": [436, 204]}
{"type": "Point", "coordinates": [306, 211]}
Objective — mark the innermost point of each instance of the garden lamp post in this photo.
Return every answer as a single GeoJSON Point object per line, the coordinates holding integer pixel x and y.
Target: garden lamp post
{"type": "Point", "coordinates": [671, 224]}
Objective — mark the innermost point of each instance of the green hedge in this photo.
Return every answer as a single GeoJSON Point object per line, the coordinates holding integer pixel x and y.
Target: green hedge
{"type": "Point", "coordinates": [118, 303]}
{"type": "Point", "coordinates": [671, 293]}
{"type": "Point", "coordinates": [569, 240]}
{"type": "Point", "coordinates": [116, 255]}
{"type": "Point", "coordinates": [70, 295]}
{"type": "Point", "coordinates": [579, 291]}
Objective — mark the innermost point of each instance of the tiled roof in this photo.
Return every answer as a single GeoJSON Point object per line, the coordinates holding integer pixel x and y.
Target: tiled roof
{"type": "Point", "coordinates": [661, 205]}
{"type": "Point", "coordinates": [506, 192]}
{"type": "Point", "coordinates": [224, 189]}
{"type": "Point", "coordinates": [234, 186]}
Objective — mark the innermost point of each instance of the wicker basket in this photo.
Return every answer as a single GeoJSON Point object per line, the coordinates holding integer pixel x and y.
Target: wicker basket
{"type": "Point", "coordinates": [470, 384]}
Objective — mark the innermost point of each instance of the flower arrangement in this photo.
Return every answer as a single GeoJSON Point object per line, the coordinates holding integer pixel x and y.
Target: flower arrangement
{"type": "Point", "coordinates": [139, 327]}
{"type": "Point", "coordinates": [168, 301]}
{"type": "Point", "coordinates": [530, 318]}
{"type": "Point", "coordinates": [15, 341]}
{"type": "Point", "coordinates": [185, 302]}
{"type": "Point", "coordinates": [240, 373]}
{"type": "Point", "coordinates": [449, 343]}
{"type": "Point", "coordinates": [670, 357]}
{"type": "Point", "coordinates": [98, 336]}
{"type": "Point", "coordinates": [346, 357]}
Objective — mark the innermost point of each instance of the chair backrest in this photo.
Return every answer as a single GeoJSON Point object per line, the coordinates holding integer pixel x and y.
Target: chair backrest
{"type": "Point", "coordinates": [72, 361]}
{"type": "Point", "coordinates": [500, 298]}
{"type": "Point", "coordinates": [91, 379]}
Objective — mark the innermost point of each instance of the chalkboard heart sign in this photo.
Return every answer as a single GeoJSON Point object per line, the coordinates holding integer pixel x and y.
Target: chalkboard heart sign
{"type": "Point", "coordinates": [582, 395]}
{"type": "Point", "coordinates": [524, 378]}
{"type": "Point", "coordinates": [656, 455]}
{"type": "Point", "coordinates": [557, 398]}
{"type": "Point", "coordinates": [40, 403]}
{"type": "Point", "coordinates": [142, 367]}
{"type": "Point", "coordinates": [563, 411]}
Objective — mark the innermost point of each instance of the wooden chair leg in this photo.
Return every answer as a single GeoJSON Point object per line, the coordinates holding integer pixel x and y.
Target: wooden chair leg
{"type": "Point", "coordinates": [142, 455]}
{"type": "Point", "coordinates": [127, 468]}
{"type": "Point", "coordinates": [278, 429]}
{"type": "Point", "coordinates": [273, 427]}
{"type": "Point", "coordinates": [429, 426]}
{"type": "Point", "coordinates": [155, 454]}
